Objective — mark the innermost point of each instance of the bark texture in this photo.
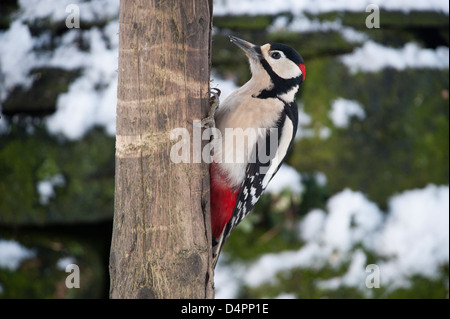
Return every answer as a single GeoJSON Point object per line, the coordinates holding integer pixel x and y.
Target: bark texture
{"type": "Point", "coordinates": [161, 236]}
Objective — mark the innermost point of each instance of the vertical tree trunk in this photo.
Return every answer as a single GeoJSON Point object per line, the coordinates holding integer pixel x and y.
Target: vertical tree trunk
{"type": "Point", "coordinates": [161, 236]}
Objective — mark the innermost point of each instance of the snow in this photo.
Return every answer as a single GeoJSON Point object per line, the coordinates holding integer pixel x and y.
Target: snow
{"type": "Point", "coordinates": [286, 177]}
{"type": "Point", "coordinates": [56, 10]}
{"type": "Point", "coordinates": [46, 188]}
{"type": "Point", "coordinates": [355, 276]}
{"type": "Point", "coordinates": [321, 179]}
{"type": "Point", "coordinates": [255, 7]}
{"type": "Point", "coordinates": [265, 269]}
{"type": "Point", "coordinates": [414, 239]}
{"type": "Point", "coordinates": [342, 110]}
{"type": "Point", "coordinates": [227, 278]}
{"type": "Point", "coordinates": [85, 105]}
{"type": "Point", "coordinates": [356, 273]}
{"type": "Point", "coordinates": [324, 133]}
{"type": "Point", "coordinates": [302, 24]}
{"type": "Point", "coordinates": [285, 296]}
{"type": "Point", "coordinates": [304, 120]}
{"type": "Point", "coordinates": [12, 254]}
{"type": "Point", "coordinates": [416, 233]}
{"type": "Point", "coordinates": [91, 98]}
{"type": "Point", "coordinates": [15, 61]}
{"type": "Point", "coordinates": [372, 57]}
{"type": "Point", "coordinates": [312, 225]}
{"type": "Point", "coordinates": [351, 219]}
{"type": "Point", "coordinates": [411, 238]}
{"type": "Point", "coordinates": [62, 263]}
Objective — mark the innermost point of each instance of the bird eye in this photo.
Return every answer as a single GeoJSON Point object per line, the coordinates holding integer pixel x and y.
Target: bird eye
{"type": "Point", "coordinates": [276, 55]}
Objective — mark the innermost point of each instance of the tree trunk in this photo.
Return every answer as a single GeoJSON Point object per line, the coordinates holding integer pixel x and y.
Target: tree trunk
{"type": "Point", "coordinates": [161, 244]}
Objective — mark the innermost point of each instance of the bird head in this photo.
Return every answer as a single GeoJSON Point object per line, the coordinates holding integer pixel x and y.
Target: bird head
{"type": "Point", "coordinates": [283, 64]}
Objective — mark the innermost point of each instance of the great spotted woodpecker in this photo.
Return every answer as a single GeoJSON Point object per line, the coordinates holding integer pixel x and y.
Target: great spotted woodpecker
{"type": "Point", "coordinates": [261, 113]}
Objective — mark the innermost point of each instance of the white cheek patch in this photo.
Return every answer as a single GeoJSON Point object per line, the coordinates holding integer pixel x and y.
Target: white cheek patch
{"type": "Point", "coordinates": [285, 68]}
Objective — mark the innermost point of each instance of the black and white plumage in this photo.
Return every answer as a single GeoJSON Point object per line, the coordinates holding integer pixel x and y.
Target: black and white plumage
{"type": "Point", "coordinates": [262, 117]}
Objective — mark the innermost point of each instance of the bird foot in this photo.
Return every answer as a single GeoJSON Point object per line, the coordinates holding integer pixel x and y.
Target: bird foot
{"type": "Point", "coordinates": [214, 101]}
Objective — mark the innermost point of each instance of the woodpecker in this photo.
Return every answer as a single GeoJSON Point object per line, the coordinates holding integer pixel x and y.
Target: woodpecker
{"type": "Point", "coordinates": [266, 106]}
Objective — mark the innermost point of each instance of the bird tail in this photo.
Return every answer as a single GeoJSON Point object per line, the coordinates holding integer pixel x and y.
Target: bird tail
{"type": "Point", "coordinates": [217, 245]}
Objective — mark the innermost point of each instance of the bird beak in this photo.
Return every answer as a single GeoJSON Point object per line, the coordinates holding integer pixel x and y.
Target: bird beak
{"type": "Point", "coordinates": [252, 51]}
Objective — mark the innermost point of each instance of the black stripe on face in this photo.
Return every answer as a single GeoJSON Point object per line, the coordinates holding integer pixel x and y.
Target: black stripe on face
{"type": "Point", "coordinates": [280, 85]}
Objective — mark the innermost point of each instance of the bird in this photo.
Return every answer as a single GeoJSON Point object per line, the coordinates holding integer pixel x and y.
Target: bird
{"type": "Point", "coordinates": [257, 124]}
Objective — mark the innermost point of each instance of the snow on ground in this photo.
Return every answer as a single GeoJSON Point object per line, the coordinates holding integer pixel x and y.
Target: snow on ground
{"type": "Point", "coordinates": [15, 60]}
{"type": "Point", "coordinates": [56, 10]}
{"type": "Point", "coordinates": [227, 278]}
{"type": "Point", "coordinates": [12, 254]}
{"type": "Point", "coordinates": [285, 296]}
{"type": "Point", "coordinates": [342, 110]}
{"type": "Point", "coordinates": [412, 238]}
{"type": "Point", "coordinates": [85, 105]}
{"type": "Point", "coordinates": [91, 98]}
{"type": "Point", "coordinates": [286, 177]}
{"type": "Point", "coordinates": [63, 262]}
{"type": "Point", "coordinates": [372, 57]}
{"type": "Point", "coordinates": [301, 24]}
{"type": "Point", "coordinates": [304, 120]}
{"type": "Point", "coordinates": [46, 188]}
{"type": "Point", "coordinates": [255, 7]}
{"type": "Point", "coordinates": [416, 232]}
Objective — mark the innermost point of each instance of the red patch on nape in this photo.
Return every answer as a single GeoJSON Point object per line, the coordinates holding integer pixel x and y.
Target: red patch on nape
{"type": "Point", "coordinates": [302, 67]}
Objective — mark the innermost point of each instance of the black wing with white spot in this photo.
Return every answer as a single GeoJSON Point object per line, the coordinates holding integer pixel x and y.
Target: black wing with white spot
{"type": "Point", "coordinates": [259, 174]}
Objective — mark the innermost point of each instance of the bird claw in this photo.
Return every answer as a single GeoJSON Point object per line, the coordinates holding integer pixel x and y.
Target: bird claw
{"type": "Point", "coordinates": [215, 94]}
{"type": "Point", "coordinates": [214, 101]}
{"type": "Point", "coordinates": [208, 122]}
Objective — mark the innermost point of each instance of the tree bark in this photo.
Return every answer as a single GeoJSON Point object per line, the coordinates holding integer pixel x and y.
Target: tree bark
{"type": "Point", "coordinates": [161, 244]}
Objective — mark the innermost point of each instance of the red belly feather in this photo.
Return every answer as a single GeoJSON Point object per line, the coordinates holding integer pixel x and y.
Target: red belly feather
{"type": "Point", "coordinates": [223, 201]}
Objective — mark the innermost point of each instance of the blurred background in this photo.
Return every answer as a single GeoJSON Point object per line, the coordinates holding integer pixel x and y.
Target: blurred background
{"type": "Point", "coordinates": [366, 183]}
